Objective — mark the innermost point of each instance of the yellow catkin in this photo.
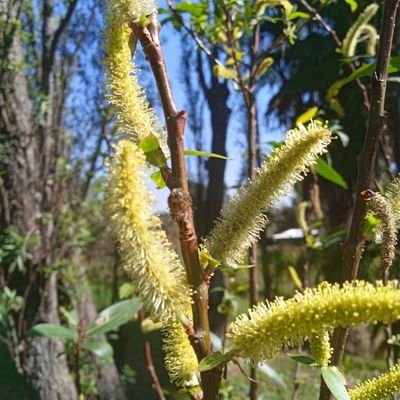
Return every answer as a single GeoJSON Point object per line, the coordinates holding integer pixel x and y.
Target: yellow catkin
{"type": "Point", "coordinates": [268, 328]}
{"type": "Point", "coordinates": [387, 230]}
{"type": "Point", "coordinates": [242, 219]}
{"type": "Point", "coordinates": [155, 270]}
{"type": "Point", "coordinates": [134, 116]}
{"type": "Point", "coordinates": [352, 37]}
{"type": "Point", "coordinates": [180, 359]}
{"type": "Point", "coordinates": [130, 10]}
{"type": "Point", "coordinates": [320, 347]}
{"type": "Point", "coordinates": [379, 388]}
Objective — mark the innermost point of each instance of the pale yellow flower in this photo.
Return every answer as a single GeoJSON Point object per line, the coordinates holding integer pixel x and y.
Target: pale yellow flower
{"type": "Point", "coordinates": [155, 270]}
{"type": "Point", "coordinates": [320, 348]}
{"type": "Point", "coordinates": [130, 10]}
{"type": "Point", "coordinates": [379, 388]}
{"type": "Point", "coordinates": [242, 220]}
{"type": "Point", "coordinates": [268, 328]}
{"type": "Point", "coordinates": [180, 358]}
{"type": "Point", "coordinates": [135, 117]}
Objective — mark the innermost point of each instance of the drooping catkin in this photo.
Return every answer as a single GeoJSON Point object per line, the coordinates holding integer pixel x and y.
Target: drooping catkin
{"type": "Point", "coordinates": [268, 328]}
{"type": "Point", "coordinates": [357, 29]}
{"type": "Point", "coordinates": [180, 359]}
{"type": "Point", "coordinates": [134, 117]}
{"type": "Point", "coordinates": [155, 270]}
{"type": "Point", "coordinates": [242, 219]}
{"type": "Point", "coordinates": [380, 207]}
{"type": "Point", "coordinates": [320, 347]}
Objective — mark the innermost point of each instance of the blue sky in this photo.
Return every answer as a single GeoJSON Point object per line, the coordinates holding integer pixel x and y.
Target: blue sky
{"type": "Point", "coordinates": [236, 141]}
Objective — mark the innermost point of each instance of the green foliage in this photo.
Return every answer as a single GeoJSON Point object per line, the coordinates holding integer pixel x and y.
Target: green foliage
{"type": "Point", "coordinates": [14, 250]}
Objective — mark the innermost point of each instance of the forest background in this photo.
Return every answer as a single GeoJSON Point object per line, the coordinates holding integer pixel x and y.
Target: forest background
{"type": "Point", "coordinates": [58, 263]}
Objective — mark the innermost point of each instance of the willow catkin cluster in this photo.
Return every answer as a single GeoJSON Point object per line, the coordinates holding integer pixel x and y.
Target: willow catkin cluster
{"type": "Point", "coordinates": [134, 117]}
{"type": "Point", "coordinates": [270, 327]}
{"type": "Point", "coordinates": [153, 267]}
{"type": "Point", "coordinates": [242, 219]}
{"type": "Point", "coordinates": [380, 388]}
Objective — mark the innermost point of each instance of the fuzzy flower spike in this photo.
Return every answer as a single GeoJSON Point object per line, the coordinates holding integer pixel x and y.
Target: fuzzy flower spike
{"type": "Point", "coordinates": [134, 115]}
{"type": "Point", "coordinates": [242, 219]}
{"type": "Point", "coordinates": [379, 388]}
{"type": "Point", "coordinates": [153, 267]}
{"type": "Point", "coordinates": [269, 328]}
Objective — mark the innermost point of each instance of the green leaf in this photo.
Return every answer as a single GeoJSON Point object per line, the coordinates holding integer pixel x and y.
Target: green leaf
{"type": "Point", "coordinates": [302, 358]}
{"type": "Point", "coordinates": [203, 154]}
{"type": "Point", "coordinates": [336, 382]}
{"type": "Point", "coordinates": [214, 360]}
{"type": "Point", "coordinates": [299, 14]}
{"type": "Point", "coordinates": [306, 116]}
{"type": "Point", "coordinates": [101, 348]}
{"type": "Point", "coordinates": [125, 291]}
{"type": "Point", "coordinates": [330, 174]}
{"type": "Point", "coordinates": [295, 278]}
{"type": "Point", "coordinates": [223, 72]}
{"type": "Point", "coordinates": [365, 70]}
{"type": "Point", "coordinates": [153, 152]}
{"type": "Point", "coordinates": [353, 5]}
{"type": "Point", "coordinates": [114, 316]}
{"type": "Point", "coordinates": [158, 179]}
{"type": "Point", "coordinates": [53, 330]}
{"type": "Point", "coordinates": [272, 374]}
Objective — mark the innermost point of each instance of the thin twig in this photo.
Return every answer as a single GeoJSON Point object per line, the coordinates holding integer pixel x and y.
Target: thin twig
{"type": "Point", "coordinates": [149, 362]}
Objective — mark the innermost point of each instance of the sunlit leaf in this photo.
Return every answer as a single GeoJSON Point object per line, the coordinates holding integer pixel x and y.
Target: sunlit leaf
{"type": "Point", "coordinates": [336, 382]}
{"type": "Point", "coordinates": [114, 316]}
{"type": "Point", "coordinates": [203, 154]}
{"type": "Point", "coordinates": [53, 330]}
{"type": "Point", "coordinates": [330, 174]}
{"type": "Point", "coordinates": [100, 347]}
{"type": "Point", "coordinates": [307, 116]}
{"type": "Point", "coordinates": [302, 358]}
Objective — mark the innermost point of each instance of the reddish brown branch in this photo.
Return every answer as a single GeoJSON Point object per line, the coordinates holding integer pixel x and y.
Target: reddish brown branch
{"type": "Point", "coordinates": [180, 202]}
{"type": "Point", "coordinates": [149, 362]}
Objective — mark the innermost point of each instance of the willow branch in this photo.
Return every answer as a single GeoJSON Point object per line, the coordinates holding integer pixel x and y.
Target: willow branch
{"type": "Point", "coordinates": [180, 202]}
{"type": "Point", "coordinates": [354, 245]}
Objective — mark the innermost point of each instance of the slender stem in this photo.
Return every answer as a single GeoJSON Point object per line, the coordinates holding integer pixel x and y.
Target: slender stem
{"type": "Point", "coordinates": [180, 202]}
{"type": "Point", "coordinates": [149, 362]}
{"type": "Point", "coordinates": [354, 245]}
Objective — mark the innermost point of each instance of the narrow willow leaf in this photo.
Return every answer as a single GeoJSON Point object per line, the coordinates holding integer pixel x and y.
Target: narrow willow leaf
{"type": "Point", "coordinates": [54, 330]}
{"type": "Point", "coordinates": [223, 72]}
{"type": "Point", "coordinates": [307, 116]}
{"type": "Point", "coordinates": [365, 70]}
{"type": "Point", "coordinates": [329, 173]}
{"type": "Point", "coordinates": [353, 5]}
{"type": "Point", "coordinates": [114, 316]}
{"type": "Point", "coordinates": [204, 154]}
{"type": "Point", "coordinates": [302, 358]}
{"type": "Point", "coordinates": [336, 382]}
{"type": "Point", "coordinates": [214, 360]}
{"type": "Point", "coordinates": [295, 278]}
{"type": "Point", "coordinates": [101, 348]}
